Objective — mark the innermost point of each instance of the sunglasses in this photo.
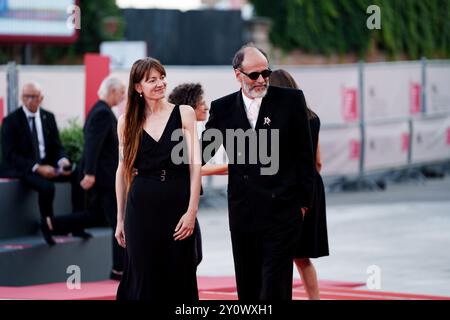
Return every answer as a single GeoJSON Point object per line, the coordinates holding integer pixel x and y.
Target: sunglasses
{"type": "Point", "coordinates": [255, 75]}
{"type": "Point", "coordinates": [30, 96]}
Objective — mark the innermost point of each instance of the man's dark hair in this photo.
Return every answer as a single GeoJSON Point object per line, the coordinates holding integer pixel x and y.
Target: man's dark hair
{"type": "Point", "coordinates": [239, 55]}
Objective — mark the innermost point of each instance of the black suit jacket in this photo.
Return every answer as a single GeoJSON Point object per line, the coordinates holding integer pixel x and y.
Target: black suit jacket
{"type": "Point", "coordinates": [17, 148]}
{"type": "Point", "coordinates": [100, 154]}
{"type": "Point", "coordinates": [256, 201]}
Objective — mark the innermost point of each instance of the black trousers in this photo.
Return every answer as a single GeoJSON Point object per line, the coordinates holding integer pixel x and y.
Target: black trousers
{"type": "Point", "coordinates": [101, 207]}
{"type": "Point", "coordinates": [46, 191]}
{"type": "Point", "coordinates": [263, 262]}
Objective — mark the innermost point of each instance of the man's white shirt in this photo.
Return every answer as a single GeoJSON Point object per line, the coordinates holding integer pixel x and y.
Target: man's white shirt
{"type": "Point", "coordinates": [252, 107]}
{"type": "Point", "coordinates": [40, 133]}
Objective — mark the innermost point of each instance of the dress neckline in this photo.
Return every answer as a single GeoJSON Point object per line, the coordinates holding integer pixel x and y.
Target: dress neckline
{"type": "Point", "coordinates": [165, 128]}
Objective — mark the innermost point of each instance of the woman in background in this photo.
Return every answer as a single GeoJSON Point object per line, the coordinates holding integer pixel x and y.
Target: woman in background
{"type": "Point", "coordinates": [192, 94]}
{"type": "Point", "coordinates": [314, 237]}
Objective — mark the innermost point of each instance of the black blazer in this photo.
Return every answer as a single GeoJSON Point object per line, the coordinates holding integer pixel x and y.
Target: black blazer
{"type": "Point", "coordinates": [17, 147]}
{"type": "Point", "coordinates": [257, 202]}
{"type": "Point", "coordinates": [100, 154]}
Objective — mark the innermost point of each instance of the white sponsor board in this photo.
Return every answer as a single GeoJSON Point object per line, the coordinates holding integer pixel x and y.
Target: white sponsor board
{"type": "Point", "coordinates": [123, 54]}
{"type": "Point", "coordinates": [392, 90]}
{"type": "Point", "coordinates": [331, 92]}
{"type": "Point", "coordinates": [340, 150]}
{"type": "Point", "coordinates": [431, 139]}
{"type": "Point", "coordinates": [438, 87]}
{"type": "Point", "coordinates": [386, 145]}
{"type": "Point", "coordinates": [216, 81]}
{"type": "Point", "coordinates": [45, 18]}
{"type": "Point", "coordinates": [63, 90]}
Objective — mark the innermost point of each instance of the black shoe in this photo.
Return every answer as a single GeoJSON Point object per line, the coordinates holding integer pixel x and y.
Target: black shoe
{"type": "Point", "coordinates": [116, 275]}
{"type": "Point", "coordinates": [82, 234]}
{"type": "Point", "coordinates": [47, 233]}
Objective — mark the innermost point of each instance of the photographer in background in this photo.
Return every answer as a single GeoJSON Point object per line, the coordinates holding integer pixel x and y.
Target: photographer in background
{"type": "Point", "coordinates": [32, 151]}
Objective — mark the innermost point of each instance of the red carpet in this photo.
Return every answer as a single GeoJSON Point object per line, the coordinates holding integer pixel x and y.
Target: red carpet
{"type": "Point", "coordinates": [210, 288]}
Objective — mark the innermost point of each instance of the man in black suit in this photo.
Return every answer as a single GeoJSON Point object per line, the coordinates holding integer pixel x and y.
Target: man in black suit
{"type": "Point", "coordinates": [98, 167]}
{"type": "Point", "coordinates": [32, 151]}
{"type": "Point", "coordinates": [266, 203]}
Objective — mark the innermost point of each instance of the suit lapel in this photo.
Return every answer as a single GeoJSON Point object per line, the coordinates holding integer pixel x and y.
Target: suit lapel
{"type": "Point", "coordinates": [45, 127]}
{"type": "Point", "coordinates": [265, 111]}
{"type": "Point", "coordinates": [114, 121]}
{"type": "Point", "coordinates": [113, 116]}
{"type": "Point", "coordinates": [25, 124]}
{"type": "Point", "coordinates": [240, 115]}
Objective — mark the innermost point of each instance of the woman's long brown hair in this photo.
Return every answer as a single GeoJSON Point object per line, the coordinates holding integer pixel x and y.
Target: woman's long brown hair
{"type": "Point", "coordinates": [135, 113]}
{"type": "Point", "coordinates": [282, 78]}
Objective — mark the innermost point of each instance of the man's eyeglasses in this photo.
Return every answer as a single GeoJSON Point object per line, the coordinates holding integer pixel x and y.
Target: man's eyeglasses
{"type": "Point", "coordinates": [255, 75]}
{"type": "Point", "coordinates": [30, 96]}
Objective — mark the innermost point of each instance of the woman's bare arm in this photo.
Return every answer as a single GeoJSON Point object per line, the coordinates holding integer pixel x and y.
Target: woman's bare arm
{"type": "Point", "coordinates": [120, 186]}
{"type": "Point", "coordinates": [214, 169]}
{"type": "Point", "coordinates": [186, 225]}
{"type": "Point", "coordinates": [318, 159]}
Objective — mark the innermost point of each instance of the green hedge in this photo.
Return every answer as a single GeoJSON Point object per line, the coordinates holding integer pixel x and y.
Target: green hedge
{"type": "Point", "coordinates": [72, 139]}
{"type": "Point", "coordinates": [412, 27]}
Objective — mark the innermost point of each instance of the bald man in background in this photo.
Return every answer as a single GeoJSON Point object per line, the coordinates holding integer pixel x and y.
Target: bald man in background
{"type": "Point", "coordinates": [32, 151]}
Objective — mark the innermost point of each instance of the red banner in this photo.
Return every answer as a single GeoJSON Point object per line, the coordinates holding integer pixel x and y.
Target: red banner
{"type": "Point", "coordinates": [414, 98]}
{"type": "Point", "coordinates": [2, 110]}
{"type": "Point", "coordinates": [96, 69]}
{"type": "Point", "coordinates": [355, 149]}
{"type": "Point", "coordinates": [405, 142]}
{"type": "Point", "coordinates": [350, 104]}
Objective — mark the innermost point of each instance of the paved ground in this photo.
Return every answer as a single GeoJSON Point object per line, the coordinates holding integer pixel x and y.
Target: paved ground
{"type": "Point", "coordinates": [404, 231]}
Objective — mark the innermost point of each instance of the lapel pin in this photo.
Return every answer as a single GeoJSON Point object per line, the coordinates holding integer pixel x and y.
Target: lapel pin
{"type": "Point", "coordinates": [267, 121]}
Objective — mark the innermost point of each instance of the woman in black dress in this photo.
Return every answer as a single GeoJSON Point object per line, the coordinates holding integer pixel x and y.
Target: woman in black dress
{"type": "Point", "coordinates": [192, 94]}
{"type": "Point", "coordinates": [314, 237]}
{"type": "Point", "coordinates": [157, 190]}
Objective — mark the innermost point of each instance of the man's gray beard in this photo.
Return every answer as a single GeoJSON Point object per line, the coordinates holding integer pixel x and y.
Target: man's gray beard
{"type": "Point", "coordinates": [253, 94]}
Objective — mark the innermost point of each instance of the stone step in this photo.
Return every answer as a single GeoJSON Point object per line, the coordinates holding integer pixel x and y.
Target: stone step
{"type": "Point", "coordinates": [29, 260]}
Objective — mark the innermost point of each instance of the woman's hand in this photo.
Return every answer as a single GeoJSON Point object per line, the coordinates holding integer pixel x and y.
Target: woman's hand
{"type": "Point", "coordinates": [120, 234]}
{"type": "Point", "coordinates": [185, 227]}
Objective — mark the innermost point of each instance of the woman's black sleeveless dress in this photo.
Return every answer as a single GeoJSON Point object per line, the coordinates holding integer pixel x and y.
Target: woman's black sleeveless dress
{"type": "Point", "coordinates": [158, 268]}
{"type": "Point", "coordinates": [314, 237]}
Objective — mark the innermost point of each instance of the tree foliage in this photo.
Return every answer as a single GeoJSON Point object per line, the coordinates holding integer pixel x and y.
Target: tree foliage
{"type": "Point", "coordinates": [412, 27]}
{"type": "Point", "coordinates": [92, 32]}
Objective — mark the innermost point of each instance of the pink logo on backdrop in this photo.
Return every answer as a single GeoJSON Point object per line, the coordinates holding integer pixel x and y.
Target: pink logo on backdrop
{"type": "Point", "coordinates": [15, 246]}
{"type": "Point", "coordinates": [349, 106]}
{"type": "Point", "coordinates": [448, 136]}
{"type": "Point", "coordinates": [414, 97]}
{"type": "Point", "coordinates": [355, 149]}
{"type": "Point", "coordinates": [405, 141]}
{"type": "Point", "coordinates": [2, 110]}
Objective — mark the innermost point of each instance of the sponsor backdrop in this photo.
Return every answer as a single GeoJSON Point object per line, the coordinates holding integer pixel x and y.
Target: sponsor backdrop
{"type": "Point", "coordinates": [374, 117]}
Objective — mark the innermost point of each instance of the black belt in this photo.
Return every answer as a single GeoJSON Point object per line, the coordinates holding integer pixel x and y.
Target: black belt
{"type": "Point", "coordinates": [163, 174]}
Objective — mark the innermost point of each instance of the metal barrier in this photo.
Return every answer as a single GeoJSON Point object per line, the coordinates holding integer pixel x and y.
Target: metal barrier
{"type": "Point", "coordinates": [380, 121]}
